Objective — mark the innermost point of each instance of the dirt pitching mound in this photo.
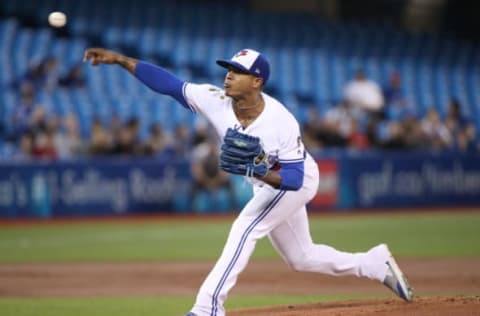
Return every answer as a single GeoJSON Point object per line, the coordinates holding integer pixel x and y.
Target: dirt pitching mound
{"type": "Point", "coordinates": [443, 286]}
{"type": "Point", "coordinates": [433, 306]}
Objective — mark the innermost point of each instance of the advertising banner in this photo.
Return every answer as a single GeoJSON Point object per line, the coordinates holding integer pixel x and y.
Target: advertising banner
{"type": "Point", "coordinates": [90, 187]}
{"type": "Point", "coordinates": [118, 186]}
{"type": "Point", "coordinates": [410, 180]}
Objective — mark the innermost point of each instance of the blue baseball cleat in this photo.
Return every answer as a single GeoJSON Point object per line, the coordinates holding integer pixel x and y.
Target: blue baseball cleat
{"type": "Point", "coordinates": [396, 281]}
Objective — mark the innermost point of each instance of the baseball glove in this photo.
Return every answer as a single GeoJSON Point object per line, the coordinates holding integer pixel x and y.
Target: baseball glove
{"type": "Point", "coordinates": [243, 154]}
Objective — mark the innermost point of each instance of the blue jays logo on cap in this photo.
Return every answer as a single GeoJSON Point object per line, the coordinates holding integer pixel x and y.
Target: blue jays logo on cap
{"type": "Point", "coordinates": [243, 52]}
{"type": "Point", "coordinates": [249, 61]}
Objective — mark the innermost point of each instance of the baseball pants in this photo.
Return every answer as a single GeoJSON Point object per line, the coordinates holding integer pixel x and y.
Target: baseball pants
{"type": "Point", "coordinates": [282, 216]}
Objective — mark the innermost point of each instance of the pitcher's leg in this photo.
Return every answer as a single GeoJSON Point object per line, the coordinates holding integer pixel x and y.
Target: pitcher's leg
{"type": "Point", "coordinates": [223, 276]}
{"type": "Point", "coordinates": [254, 222]}
{"type": "Point", "coordinates": [293, 241]}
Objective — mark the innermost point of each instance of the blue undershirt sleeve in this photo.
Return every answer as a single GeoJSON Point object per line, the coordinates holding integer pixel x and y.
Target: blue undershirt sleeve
{"type": "Point", "coordinates": [161, 81]}
{"type": "Point", "coordinates": [292, 176]}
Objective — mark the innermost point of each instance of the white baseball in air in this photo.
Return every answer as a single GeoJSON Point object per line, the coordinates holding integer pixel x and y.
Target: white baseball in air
{"type": "Point", "coordinates": [57, 19]}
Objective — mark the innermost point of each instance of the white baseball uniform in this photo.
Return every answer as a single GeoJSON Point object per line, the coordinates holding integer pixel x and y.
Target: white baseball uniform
{"type": "Point", "coordinates": [277, 213]}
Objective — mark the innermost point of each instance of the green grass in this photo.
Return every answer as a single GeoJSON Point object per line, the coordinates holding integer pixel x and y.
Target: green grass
{"type": "Point", "coordinates": [138, 306]}
{"type": "Point", "coordinates": [425, 235]}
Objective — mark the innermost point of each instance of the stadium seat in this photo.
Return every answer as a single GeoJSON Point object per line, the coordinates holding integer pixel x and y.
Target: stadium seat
{"type": "Point", "coordinates": [312, 59]}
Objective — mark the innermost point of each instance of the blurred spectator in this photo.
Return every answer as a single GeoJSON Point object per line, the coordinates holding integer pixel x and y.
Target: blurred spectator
{"type": "Point", "coordinates": [22, 115]}
{"type": "Point", "coordinates": [68, 142]}
{"type": "Point", "coordinates": [44, 147]}
{"type": "Point", "coordinates": [455, 119]}
{"type": "Point", "coordinates": [336, 126]}
{"type": "Point", "coordinates": [201, 132]}
{"type": "Point", "coordinates": [39, 123]}
{"type": "Point", "coordinates": [26, 146]}
{"type": "Point", "coordinates": [100, 139]}
{"type": "Point", "coordinates": [310, 129]}
{"type": "Point", "coordinates": [437, 134]}
{"type": "Point", "coordinates": [465, 140]}
{"type": "Point", "coordinates": [75, 78]}
{"type": "Point", "coordinates": [180, 142]}
{"type": "Point", "coordinates": [462, 130]}
{"type": "Point", "coordinates": [156, 142]}
{"type": "Point", "coordinates": [413, 135]}
{"type": "Point", "coordinates": [134, 125]}
{"type": "Point", "coordinates": [206, 173]}
{"type": "Point", "coordinates": [357, 139]}
{"type": "Point", "coordinates": [364, 94]}
{"type": "Point", "coordinates": [115, 124]}
{"type": "Point", "coordinates": [387, 135]}
{"type": "Point", "coordinates": [126, 141]}
{"type": "Point", "coordinates": [44, 75]}
{"type": "Point", "coordinates": [397, 106]}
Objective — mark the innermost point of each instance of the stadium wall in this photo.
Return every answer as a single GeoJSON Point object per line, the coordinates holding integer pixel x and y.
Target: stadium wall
{"type": "Point", "coordinates": [349, 180]}
{"type": "Point", "coordinates": [379, 180]}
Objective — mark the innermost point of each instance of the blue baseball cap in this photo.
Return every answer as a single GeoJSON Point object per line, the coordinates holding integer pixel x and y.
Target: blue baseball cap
{"type": "Point", "coordinates": [249, 61]}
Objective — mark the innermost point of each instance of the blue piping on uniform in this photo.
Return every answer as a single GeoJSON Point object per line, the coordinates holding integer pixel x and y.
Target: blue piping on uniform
{"type": "Point", "coordinates": [249, 229]}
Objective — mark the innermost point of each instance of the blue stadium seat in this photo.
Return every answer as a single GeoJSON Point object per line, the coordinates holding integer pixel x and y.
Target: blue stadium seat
{"type": "Point", "coordinates": [310, 57]}
{"type": "Point", "coordinates": [9, 103]}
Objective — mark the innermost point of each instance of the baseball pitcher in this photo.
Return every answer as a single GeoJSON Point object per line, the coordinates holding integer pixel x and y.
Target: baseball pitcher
{"type": "Point", "coordinates": [261, 141]}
